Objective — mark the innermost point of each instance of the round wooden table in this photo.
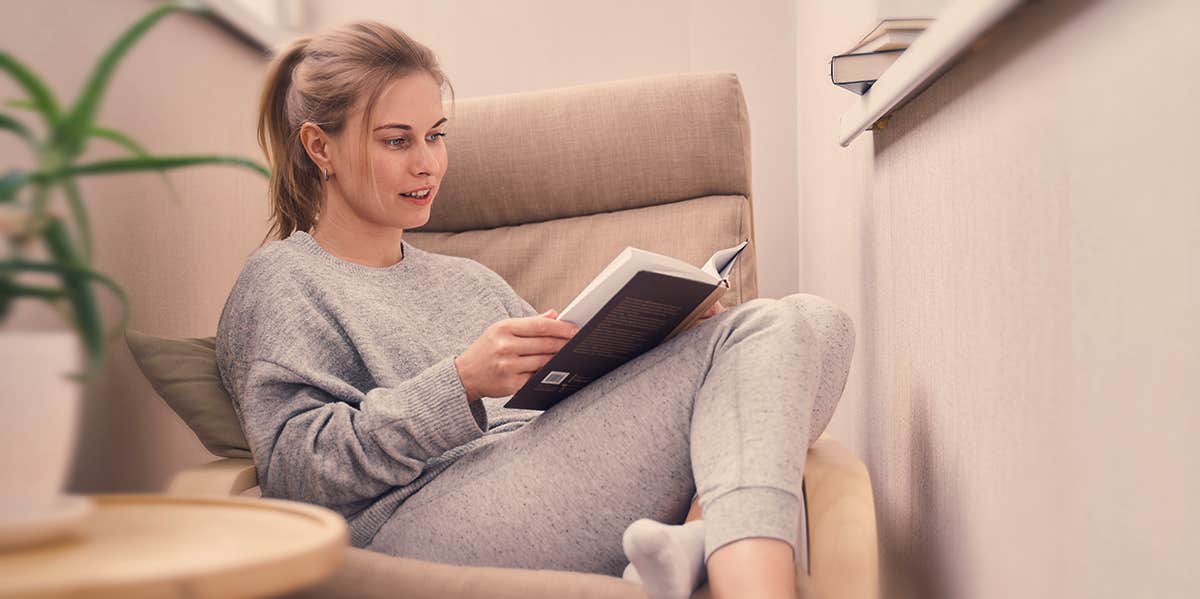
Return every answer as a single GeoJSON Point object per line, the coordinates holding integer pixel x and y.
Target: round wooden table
{"type": "Point", "coordinates": [170, 546]}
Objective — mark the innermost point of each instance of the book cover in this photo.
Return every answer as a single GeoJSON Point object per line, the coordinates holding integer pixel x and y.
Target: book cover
{"type": "Point", "coordinates": [856, 72]}
{"type": "Point", "coordinates": [890, 40]}
{"type": "Point", "coordinates": [858, 87]}
{"type": "Point", "coordinates": [651, 308]}
{"type": "Point", "coordinates": [889, 25]}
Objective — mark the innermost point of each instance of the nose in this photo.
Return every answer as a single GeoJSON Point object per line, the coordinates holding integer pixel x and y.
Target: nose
{"type": "Point", "coordinates": [426, 162]}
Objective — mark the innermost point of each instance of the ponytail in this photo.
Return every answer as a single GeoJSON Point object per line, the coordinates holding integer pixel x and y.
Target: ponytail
{"type": "Point", "coordinates": [295, 188]}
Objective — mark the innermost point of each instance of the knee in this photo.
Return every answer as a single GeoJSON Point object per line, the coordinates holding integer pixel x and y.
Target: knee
{"type": "Point", "coordinates": [834, 332]}
{"type": "Point", "coordinates": [833, 327]}
{"type": "Point", "coordinates": [768, 313]}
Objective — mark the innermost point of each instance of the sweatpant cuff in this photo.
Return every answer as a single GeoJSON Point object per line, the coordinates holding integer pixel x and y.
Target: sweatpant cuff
{"type": "Point", "coordinates": [751, 512]}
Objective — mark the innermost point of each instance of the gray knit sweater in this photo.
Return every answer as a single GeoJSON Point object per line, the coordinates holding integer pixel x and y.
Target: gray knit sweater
{"type": "Point", "coordinates": [343, 375]}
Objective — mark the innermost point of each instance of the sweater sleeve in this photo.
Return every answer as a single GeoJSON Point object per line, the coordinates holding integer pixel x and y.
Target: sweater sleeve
{"type": "Point", "coordinates": [310, 446]}
{"type": "Point", "coordinates": [319, 426]}
{"type": "Point", "coordinates": [514, 304]}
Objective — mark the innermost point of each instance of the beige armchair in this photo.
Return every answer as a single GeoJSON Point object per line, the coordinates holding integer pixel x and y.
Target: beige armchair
{"type": "Point", "coordinates": [545, 188]}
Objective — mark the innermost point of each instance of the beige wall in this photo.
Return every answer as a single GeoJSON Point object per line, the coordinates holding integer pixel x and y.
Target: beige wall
{"type": "Point", "coordinates": [1021, 253]}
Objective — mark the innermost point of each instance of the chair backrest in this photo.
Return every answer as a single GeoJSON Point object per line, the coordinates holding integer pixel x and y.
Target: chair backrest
{"type": "Point", "coordinates": [547, 187]}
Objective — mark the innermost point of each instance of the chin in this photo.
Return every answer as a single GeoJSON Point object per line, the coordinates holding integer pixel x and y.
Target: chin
{"type": "Point", "coordinates": [416, 221]}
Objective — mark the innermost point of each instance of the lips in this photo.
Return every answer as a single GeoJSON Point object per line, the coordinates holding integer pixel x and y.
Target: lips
{"type": "Point", "coordinates": [419, 200]}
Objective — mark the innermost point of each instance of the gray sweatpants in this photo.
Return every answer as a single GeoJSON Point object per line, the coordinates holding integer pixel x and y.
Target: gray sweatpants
{"type": "Point", "coordinates": [725, 410]}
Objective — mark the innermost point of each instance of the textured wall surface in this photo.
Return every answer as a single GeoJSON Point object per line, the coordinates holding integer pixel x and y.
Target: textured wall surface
{"type": "Point", "coordinates": [1021, 252]}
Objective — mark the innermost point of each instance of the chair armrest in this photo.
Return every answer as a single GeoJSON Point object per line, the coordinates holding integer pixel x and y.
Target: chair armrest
{"type": "Point", "coordinates": [223, 477]}
{"type": "Point", "coordinates": [843, 546]}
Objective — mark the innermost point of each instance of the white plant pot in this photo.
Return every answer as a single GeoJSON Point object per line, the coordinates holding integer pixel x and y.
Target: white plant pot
{"type": "Point", "coordinates": [39, 416]}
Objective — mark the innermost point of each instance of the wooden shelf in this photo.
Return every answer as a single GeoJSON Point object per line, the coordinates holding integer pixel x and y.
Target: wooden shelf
{"type": "Point", "coordinates": [952, 33]}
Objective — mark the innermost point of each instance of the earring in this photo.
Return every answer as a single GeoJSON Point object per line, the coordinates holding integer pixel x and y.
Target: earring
{"type": "Point", "coordinates": [325, 173]}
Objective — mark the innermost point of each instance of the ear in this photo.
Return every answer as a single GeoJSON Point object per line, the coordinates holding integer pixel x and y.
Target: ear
{"type": "Point", "coordinates": [316, 144]}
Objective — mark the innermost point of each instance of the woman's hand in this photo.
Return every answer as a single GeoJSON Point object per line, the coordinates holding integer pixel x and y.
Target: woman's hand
{"type": "Point", "coordinates": [713, 310]}
{"type": "Point", "coordinates": [509, 352]}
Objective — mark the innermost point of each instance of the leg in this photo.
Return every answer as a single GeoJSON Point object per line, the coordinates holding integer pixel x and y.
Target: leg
{"type": "Point", "coordinates": [558, 492]}
{"type": "Point", "coordinates": [761, 566]}
{"type": "Point", "coordinates": [835, 333]}
{"type": "Point", "coordinates": [695, 513]}
{"type": "Point", "coordinates": [751, 568]}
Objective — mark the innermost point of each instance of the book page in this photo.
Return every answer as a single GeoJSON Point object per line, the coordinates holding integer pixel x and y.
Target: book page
{"type": "Point", "coordinates": [627, 264]}
{"type": "Point", "coordinates": [721, 262]}
{"type": "Point", "coordinates": [633, 260]}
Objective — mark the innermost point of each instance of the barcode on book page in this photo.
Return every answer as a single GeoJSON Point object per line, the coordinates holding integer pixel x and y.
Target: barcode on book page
{"type": "Point", "coordinates": [555, 377]}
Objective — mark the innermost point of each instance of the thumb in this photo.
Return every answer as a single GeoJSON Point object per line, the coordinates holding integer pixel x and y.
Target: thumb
{"type": "Point", "coordinates": [551, 313]}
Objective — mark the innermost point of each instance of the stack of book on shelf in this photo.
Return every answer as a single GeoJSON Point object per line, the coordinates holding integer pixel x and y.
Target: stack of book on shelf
{"type": "Point", "coordinates": [859, 67]}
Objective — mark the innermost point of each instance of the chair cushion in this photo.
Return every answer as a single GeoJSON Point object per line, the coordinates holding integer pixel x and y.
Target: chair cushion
{"type": "Point", "coordinates": [549, 263]}
{"type": "Point", "coordinates": [587, 149]}
{"type": "Point", "coordinates": [184, 373]}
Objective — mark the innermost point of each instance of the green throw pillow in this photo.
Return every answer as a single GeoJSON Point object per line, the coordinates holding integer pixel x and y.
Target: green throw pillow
{"type": "Point", "coordinates": [184, 373]}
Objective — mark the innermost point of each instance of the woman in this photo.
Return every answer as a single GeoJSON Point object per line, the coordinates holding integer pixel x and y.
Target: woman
{"type": "Point", "coordinates": [369, 375]}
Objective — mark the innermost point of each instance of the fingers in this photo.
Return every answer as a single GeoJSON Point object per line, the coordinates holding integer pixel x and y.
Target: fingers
{"type": "Point", "coordinates": [542, 326]}
{"type": "Point", "coordinates": [526, 365]}
{"type": "Point", "coordinates": [715, 310]}
{"type": "Point", "coordinates": [529, 346]}
{"type": "Point", "coordinates": [525, 346]}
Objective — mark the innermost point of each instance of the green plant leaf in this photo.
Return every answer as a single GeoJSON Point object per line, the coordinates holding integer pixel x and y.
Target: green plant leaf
{"type": "Point", "coordinates": [41, 198]}
{"type": "Point", "coordinates": [10, 124]}
{"type": "Point", "coordinates": [79, 213]}
{"type": "Point", "coordinates": [17, 265]}
{"type": "Point", "coordinates": [128, 143]}
{"type": "Point", "coordinates": [145, 163]}
{"type": "Point", "coordinates": [11, 183]}
{"type": "Point", "coordinates": [79, 292]}
{"type": "Point", "coordinates": [6, 296]}
{"type": "Point", "coordinates": [120, 139]}
{"type": "Point", "coordinates": [76, 279]}
{"type": "Point", "coordinates": [73, 133]}
{"type": "Point", "coordinates": [22, 104]}
{"type": "Point", "coordinates": [40, 97]}
{"type": "Point", "coordinates": [9, 289]}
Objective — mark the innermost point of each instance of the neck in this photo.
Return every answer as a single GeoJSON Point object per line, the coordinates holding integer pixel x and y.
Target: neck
{"type": "Point", "coordinates": [354, 240]}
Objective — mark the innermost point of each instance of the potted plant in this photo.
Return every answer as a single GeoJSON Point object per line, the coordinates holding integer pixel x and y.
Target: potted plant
{"type": "Point", "coordinates": [45, 242]}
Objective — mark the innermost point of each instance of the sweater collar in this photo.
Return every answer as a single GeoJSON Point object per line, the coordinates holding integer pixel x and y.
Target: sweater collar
{"type": "Point", "coordinates": [304, 241]}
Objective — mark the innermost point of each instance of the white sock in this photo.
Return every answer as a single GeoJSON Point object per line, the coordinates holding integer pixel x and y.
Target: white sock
{"type": "Point", "coordinates": [667, 560]}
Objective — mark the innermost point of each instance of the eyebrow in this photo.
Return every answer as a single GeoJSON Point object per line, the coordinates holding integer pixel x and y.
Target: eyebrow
{"type": "Point", "coordinates": [406, 127]}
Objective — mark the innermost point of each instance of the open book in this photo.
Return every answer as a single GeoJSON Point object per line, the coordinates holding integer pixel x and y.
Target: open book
{"type": "Point", "coordinates": [638, 301]}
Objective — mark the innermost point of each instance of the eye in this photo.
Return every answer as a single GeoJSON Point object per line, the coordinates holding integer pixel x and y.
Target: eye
{"type": "Point", "coordinates": [400, 142]}
{"type": "Point", "coordinates": [433, 137]}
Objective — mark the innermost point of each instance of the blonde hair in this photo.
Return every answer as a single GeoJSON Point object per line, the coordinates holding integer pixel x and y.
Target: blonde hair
{"type": "Point", "coordinates": [318, 79]}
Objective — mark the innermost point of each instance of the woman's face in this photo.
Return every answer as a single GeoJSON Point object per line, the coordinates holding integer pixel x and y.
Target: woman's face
{"type": "Point", "coordinates": [405, 150]}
